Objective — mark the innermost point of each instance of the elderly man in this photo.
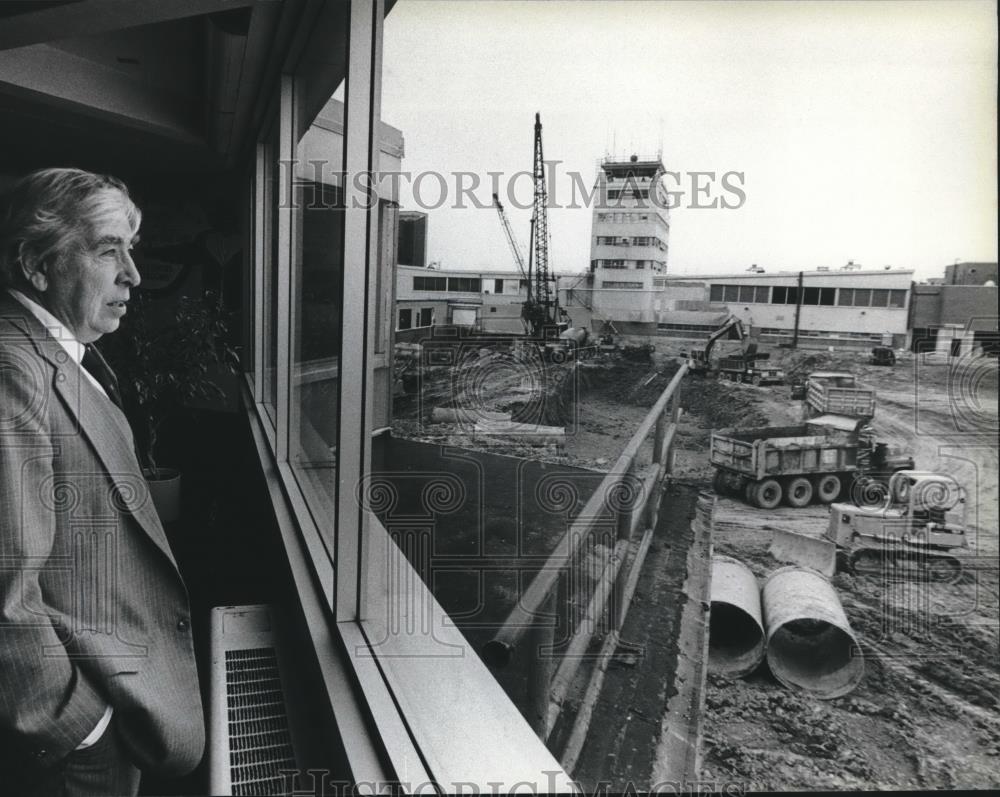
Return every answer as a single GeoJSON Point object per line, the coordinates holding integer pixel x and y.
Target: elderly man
{"type": "Point", "coordinates": [97, 671]}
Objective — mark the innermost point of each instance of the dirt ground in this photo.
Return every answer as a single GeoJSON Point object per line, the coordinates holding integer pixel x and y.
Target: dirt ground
{"type": "Point", "coordinates": [927, 713]}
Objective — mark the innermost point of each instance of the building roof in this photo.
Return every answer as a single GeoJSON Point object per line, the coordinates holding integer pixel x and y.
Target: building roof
{"type": "Point", "coordinates": [750, 275]}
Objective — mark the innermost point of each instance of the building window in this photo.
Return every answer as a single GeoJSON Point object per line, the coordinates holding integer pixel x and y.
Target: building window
{"type": "Point", "coordinates": [897, 298]}
{"type": "Point", "coordinates": [640, 264]}
{"type": "Point", "coordinates": [818, 296]}
{"type": "Point", "coordinates": [862, 297]}
{"type": "Point", "coordinates": [716, 293]}
{"type": "Point", "coordinates": [405, 319]}
{"type": "Point", "coordinates": [464, 285]}
{"type": "Point", "coordinates": [498, 286]}
{"type": "Point", "coordinates": [430, 284]}
{"type": "Point", "coordinates": [426, 317]}
{"type": "Point", "coordinates": [621, 285]}
{"type": "Point", "coordinates": [732, 293]}
{"type": "Point", "coordinates": [781, 294]}
{"type": "Point", "coordinates": [880, 297]}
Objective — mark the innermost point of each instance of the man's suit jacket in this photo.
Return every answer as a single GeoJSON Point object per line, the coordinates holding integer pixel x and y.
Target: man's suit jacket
{"type": "Point", "coordinates": [92, 607]}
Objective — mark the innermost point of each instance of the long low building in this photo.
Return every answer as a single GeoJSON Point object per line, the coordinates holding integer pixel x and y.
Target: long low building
{"type": "Point", "coordinates": [843, 308]}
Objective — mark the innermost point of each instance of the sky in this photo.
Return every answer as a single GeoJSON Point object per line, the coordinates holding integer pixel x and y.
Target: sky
{"type": "Point", "coordinates": [863, 131]}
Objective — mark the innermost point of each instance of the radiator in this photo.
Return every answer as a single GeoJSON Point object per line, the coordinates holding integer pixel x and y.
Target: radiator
{"type": "Point", "coordinates": [250, 732]}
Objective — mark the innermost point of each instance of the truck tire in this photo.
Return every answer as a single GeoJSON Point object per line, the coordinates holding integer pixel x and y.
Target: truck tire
{"type": "Point", "coordinates": [827, 488]}
{"type": "Point", "coordinates": [750, 493]}
{"type": "Point", "coordinates": [798, 492]}
{"type": "Point", "coordinates": [767, 493]}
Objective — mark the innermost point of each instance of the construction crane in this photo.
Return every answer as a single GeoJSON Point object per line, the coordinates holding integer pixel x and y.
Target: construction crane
{"type": "Point", "coordinates": [541, 308]}
{"type": "Point", "coordinates": [515, 247]}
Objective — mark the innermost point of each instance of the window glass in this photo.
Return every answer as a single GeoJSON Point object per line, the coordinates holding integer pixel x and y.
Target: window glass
{"type": "Point", "coordinates": [779, 294]}
{"type": "Point", "coordinates": [880, 298]}
{"type": "Point", "coordinates": [747, 293]}
{"type": "Point", "coordinates": [427, 316]}
{"type": "Point", "coordinates": [827, 296]}
{"type": "Point", "coordinates": [732, 293]}
{"type": "Point", "coordinates": [792, 297]}
{"type": "Point", "coordinates": [846, 298]}
{"type": "Point", "coordinates": [862, 297]}
{"type": "Point", "coordinates": [716, 293]}
{"type": "Point", "coordinates": [317, 269]}
{"type": "Point", "coordinates": [405, 319]}
{"type": "Point", "coordinates": [897, 298]}
{"type": "Point", "coordinates": [271, 186]}
{"type": "Point", "coordinates": [810, 296]}
{"type": "Point", "coordinates": [763, 293]}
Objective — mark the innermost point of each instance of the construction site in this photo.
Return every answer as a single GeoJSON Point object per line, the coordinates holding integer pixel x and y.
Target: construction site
{"type": "Point", "coordinates": [928, 640]}
{"type": "Point", "coordinates": [697, 561]}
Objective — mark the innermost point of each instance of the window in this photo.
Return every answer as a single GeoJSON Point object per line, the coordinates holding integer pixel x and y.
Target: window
{"type": "Point", "coordinates": [732, 293]}
{"type": "Point", "coordinates": [880, 298]}
{"type": "Point", "coordinates": [862, 297]}
{"type": "Point", "coordinates": [781, 294]}
{"type": "Point", "coordinates": [827, 296]}
{"type": "Point", "coordinates": [268, 164]}
{"type": "Point", "coordinates": [430, 283]}
{"type": "Point", "coordinates": [845, 297]}
{"type": "Point", "coordinates": [317, 253]}
{"type": "Point", "coordinates": [614, 193]}
{"type": "Point", "coordinates": [897, 298]}
{"type": "Point", "coordinates": [465, 284]}
{"type": "Point", "coordinates": [763, 293]}
{"type": "Point", "coordinates": [617, 284]}
{"type": "Point", "coordinates": [747, 293]}
{"type": "Point", "coordinates": [498, 286]}
{"type": "Point", "coordinates": [640, 264]}
{"type": "Point", "coordinates": [716, 293]}
{"type": "Point", "coordinates": [824, 296]}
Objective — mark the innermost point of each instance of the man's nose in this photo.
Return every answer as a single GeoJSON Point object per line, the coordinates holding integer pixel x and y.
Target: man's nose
{"type": "Point", "coordinates": [130, 274]}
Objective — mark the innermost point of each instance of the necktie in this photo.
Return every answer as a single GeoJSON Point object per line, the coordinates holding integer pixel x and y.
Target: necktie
{"type": "Point", "coordinates": [98, 368]}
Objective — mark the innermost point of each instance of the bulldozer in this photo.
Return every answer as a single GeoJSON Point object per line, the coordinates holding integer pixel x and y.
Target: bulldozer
{"type": "Point", "coordinates": [918, 531]}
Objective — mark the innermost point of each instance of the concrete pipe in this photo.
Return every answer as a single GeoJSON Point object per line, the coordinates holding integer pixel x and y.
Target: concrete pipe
{"type": "Point", "coordinates": [736, 633]}
{"type": "Point", "coordinates": [810, 644]}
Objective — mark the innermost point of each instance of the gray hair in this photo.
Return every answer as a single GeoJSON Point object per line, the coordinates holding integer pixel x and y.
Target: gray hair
{"type": "Point", "coordinates": [47, 213]}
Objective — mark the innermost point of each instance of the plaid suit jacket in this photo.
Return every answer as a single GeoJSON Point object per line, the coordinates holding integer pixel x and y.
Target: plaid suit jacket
{"type": "Point", "coordinates": [92, 607]}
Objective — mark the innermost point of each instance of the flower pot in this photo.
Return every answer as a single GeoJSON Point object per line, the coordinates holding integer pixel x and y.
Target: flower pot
{"type": "Point", "coordinates": [165, 490]}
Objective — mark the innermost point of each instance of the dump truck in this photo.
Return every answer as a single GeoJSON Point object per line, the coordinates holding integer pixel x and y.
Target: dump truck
{"type": "Point", "coordinates": [753, 368]}
{"type": "Point", "coordinates": [838, 393]}
{"type": "Point", "coordinates": [797, 464]}
{"type": "Point", "coordinates": [918, 530]}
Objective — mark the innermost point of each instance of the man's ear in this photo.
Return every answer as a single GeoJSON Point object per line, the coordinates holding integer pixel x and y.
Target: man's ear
{"type": "Point", "coordinates": [33, 269]}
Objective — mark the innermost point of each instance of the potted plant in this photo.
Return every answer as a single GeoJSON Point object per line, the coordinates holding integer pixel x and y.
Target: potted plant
{"type": "Point", "coordinates": [162, 366]}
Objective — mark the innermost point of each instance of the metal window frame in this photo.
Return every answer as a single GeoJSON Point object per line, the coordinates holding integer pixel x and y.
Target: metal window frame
{"type": "Point", "coordinates": [392, 725]}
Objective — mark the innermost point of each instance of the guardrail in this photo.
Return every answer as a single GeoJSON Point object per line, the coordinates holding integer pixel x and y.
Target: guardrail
{"type": "Point", "coordinates": [630, 495]}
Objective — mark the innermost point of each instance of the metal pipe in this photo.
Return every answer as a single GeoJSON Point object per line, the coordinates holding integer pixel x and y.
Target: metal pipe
{"type": "Point", "coordinates": [736, 632]}
{"type": "Point", "coordinates": [810, 644]}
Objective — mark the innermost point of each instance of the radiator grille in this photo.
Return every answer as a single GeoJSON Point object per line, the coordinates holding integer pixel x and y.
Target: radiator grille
{"type": "Point", "coordinates": [260, 745]}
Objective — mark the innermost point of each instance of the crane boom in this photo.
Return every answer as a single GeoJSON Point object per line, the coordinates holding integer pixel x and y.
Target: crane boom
{"type": "Point", "coordinates": [515, 248]}
{"type": "Point", "coordinates": [541, 308]}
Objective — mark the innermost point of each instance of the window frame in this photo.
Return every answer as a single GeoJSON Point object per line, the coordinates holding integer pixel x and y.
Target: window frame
{"type": "Point", "coordinates": [392, 727]}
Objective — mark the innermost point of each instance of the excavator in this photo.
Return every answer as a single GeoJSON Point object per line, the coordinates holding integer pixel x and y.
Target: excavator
{"type": "Point", "coordinates": [699, 360]}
